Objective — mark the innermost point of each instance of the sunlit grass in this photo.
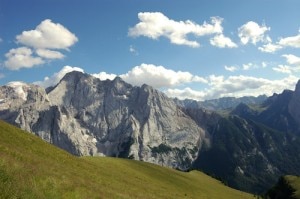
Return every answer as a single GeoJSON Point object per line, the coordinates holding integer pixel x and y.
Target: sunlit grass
{"type": "Point", "coordinates": [32, 168]}
{"type": "Point", "coordinates": [294, 182]}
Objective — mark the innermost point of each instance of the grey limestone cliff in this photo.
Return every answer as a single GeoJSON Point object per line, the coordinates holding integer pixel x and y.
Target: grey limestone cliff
{"type": "Point", "coordinates": [86, 116]}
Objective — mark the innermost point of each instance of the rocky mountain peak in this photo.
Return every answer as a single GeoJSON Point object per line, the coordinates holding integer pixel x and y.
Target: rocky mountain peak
{"type": "Point", "coordinates": [294, 105]}
{"type": "Point", "coordinates": [118, 80]}
{"type": "Point", "coordinates": [74, 76]}
{"type": "Point", "coordinates": [297, 89]}
{"type": "Point", "coordinates": [87, 116]}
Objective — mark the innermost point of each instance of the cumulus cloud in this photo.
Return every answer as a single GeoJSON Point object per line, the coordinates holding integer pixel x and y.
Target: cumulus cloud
{"type": "Point", "coordinates": [235, 86]}
{"type": "Point", "coordinates": [222, 42]}
{"type": "Point", "coordinates": [231, 68]}
{"type": "Point", "coordinates": [270, 48]}
{"type": "Point", "coordinates": [104, 76]}
{"type": "Point", "coordinates": [253, 33]}
{"type": "Point", "coordinates": [294, 66]}
{"type": "Point", "coordinates": [56, 77]}
{"type": "Point", "coordinates": [49, 54]}
{"type": "Point", "coordinates": [246, 85]}
{"type": "Point", "coordinates": [186, 93]}
{"type": "Point", "coordinates": [292, 59]}
{"type": "Point", "coordinates": [48, 35]}
{"type": "Point", "coordinates": [249, 66]}
{"type": "Point", "coordinates": [283, 69]}
{"type": "Point", "coordinates": [156, 24]}
{"type": "Point", "coordinates": [39, 44]}
{"type": "Point", "coordinates": [159, 76]}
{"type": "Point", "coordinates": [21, 58]}
{"type": "Point", "coordinates": [293, 41]}
{"type": "Point", "coordinates": [212, 87]}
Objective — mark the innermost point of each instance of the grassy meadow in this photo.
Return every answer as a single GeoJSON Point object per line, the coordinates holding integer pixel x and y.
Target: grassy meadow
{"type": "Point", "coordinates": [294, 182]}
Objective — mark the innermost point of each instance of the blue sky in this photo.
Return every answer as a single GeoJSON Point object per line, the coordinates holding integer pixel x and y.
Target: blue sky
{"type": "Point", "coordinates": [199, 49]}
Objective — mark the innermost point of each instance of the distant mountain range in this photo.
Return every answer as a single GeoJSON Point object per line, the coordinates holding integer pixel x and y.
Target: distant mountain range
{"type": "Point", "coordinates": [221, 103]}
{"type": "Point", "coordinates": [248, 146]}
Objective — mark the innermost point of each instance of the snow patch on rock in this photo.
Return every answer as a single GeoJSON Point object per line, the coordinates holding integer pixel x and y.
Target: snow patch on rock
{"type": "Point", "coordinates": [19, 88]}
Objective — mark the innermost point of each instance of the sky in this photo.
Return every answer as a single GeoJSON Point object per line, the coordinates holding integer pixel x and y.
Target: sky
{"type": "Point", "coordinates": [197, 49]}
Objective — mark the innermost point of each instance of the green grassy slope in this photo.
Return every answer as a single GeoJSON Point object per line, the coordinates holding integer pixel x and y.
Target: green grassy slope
{"type": "Point", "coordinates": [294, 182]}
{"type": "Point", "coordinates": [287, 187]}
{"type": "Point", "coordinates": [32, 168]}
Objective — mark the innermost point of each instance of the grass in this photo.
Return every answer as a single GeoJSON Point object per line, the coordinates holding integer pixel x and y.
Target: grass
{"type": "Point", "coordinates": [32, 168]}
{"type": "Point", "coordinates": [294, 182]}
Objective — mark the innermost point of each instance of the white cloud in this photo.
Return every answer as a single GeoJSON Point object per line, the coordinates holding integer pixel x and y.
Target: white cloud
{"type": "Point", "coordinates": [158, 76]}
{"type": "Point", "coordinates": [293, 41]}
{"type": "Point", "coordinates": [283, 69]}
{"type": "Point", "coordinates": [249, 66]}
{"type": "Point", "coordinates": [252, 32]}
{"type": "Point", "coordinates": [56, 77]}
{"type": "Point", "coordinates": [231, 68]}
{"type": "Point", "coordinates": [48, 35]}
{"type": "Point", "coordinates": [156, 24]}
{"type": "Point", "coordinates": [292, 59]}
{"type": "Point", "coordinates": [186, 93]}
{"type": "Point", "coordinates": [49, 54]}
{"type": "Point", "coordinates": [21, 58]}
{"type": "Point", "coordinates": [235, 86]}
{"type": "Point", "coordinates": [215, 80]}
{"type": "Point", "coordinates": [239, 86]}
{"type": "Point", "coordinates": [213, 86]}
{"type": "Point", "coordinates": [222, 42]}
{"type": "Point", "coordinates": [264, 64]}
{"type": "Point", "coordinates": [104, 76]}
{"type": "Point", "coordinates": [270, 48]}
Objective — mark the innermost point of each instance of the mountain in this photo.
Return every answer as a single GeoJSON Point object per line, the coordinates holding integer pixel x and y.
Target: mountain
{"type": "Point", "coordinates": [248, 155]}
{"type": "Point", "coordinates": [280, 111]}
{"type": "Point", "coordinates": [248, 147]}
{"type": "Point", "coordinates": [221, 103]}
{"type": "Point", "coordinates": [86, 116]}
{"type": "Point", "coordinates": [32, 168]}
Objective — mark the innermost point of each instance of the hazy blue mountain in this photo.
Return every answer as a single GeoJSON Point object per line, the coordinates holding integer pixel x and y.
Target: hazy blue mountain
{"type": "Point", "coordinates": [221, 103]}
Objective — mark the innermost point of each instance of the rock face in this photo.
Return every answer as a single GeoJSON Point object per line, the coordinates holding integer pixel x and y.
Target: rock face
{"type": "Point", "coordinates": [294, 105]}
{"type": "Point", "coordinates": [86, 116]}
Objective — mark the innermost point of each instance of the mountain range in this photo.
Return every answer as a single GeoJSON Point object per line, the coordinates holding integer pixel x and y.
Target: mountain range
{"type": "Point", "coordinates": [247, 147]}
{"type": "Point", "coordinates": [220, 103]}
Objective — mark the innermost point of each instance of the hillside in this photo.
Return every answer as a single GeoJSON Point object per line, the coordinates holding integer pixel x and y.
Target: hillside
{"type": "Point", "coordinates": [32, 168]}
{"type": "Point", "coordinates": [287, 187]}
